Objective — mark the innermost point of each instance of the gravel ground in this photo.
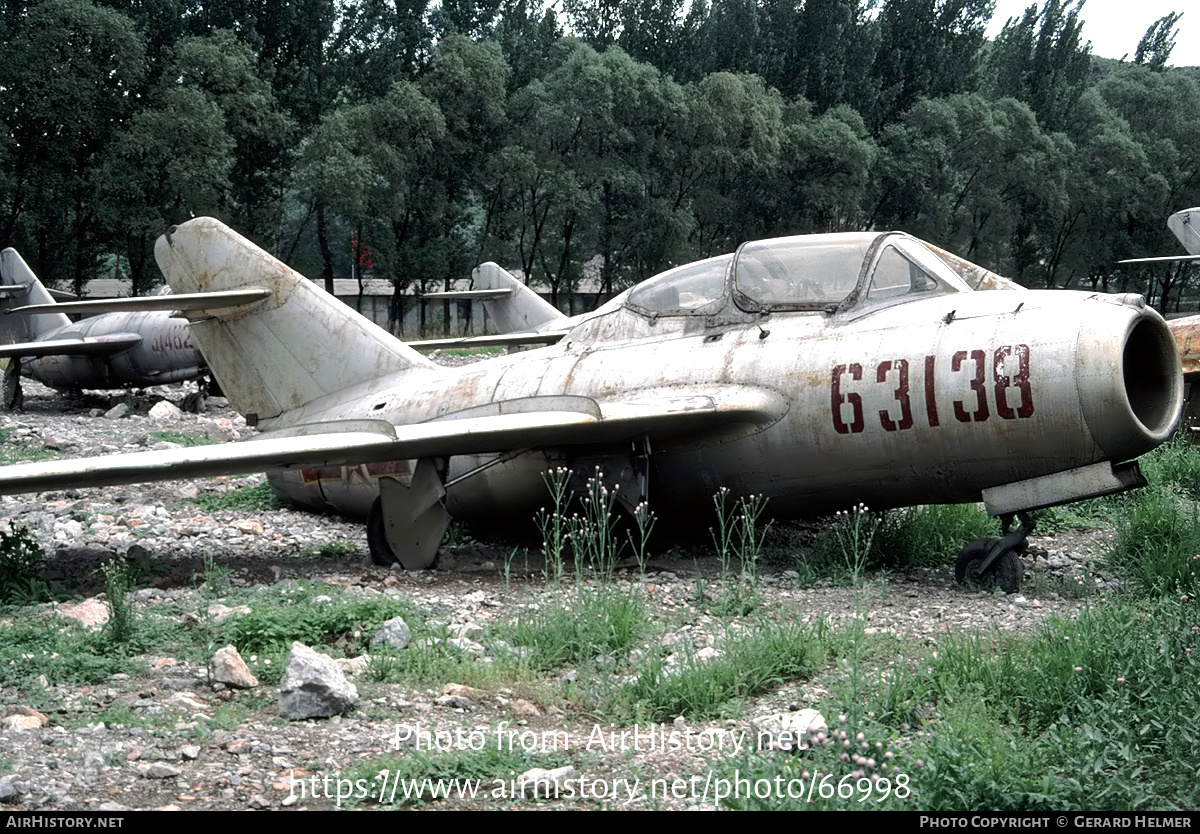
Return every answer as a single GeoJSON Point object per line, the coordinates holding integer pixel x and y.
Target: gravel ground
{"type": "Point", "coordinates": [182, 756]}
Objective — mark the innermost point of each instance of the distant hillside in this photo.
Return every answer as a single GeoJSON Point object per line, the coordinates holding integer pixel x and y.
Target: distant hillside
{"type": "Point", "coordinates": [1102, 67]}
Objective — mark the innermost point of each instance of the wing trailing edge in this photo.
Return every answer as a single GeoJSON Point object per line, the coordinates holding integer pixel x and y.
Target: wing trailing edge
{"type": "Point", "coordinates": [532, 423]}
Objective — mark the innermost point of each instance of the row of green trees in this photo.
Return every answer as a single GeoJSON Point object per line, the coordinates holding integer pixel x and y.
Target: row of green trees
{"type": "Point", "coordinates": [628, 135]}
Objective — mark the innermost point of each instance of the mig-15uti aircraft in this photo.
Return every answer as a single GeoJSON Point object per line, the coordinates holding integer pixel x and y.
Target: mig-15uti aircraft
{"type": "Point", "coordinates": [817, 371]}
{"type": "Point", "coordinates": [135, 343]}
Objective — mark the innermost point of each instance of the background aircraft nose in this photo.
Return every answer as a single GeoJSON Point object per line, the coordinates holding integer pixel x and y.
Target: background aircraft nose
{"type": "Point", "coordinates": [1130, 387]}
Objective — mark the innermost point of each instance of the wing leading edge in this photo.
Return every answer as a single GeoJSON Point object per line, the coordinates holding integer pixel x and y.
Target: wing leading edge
{"type": "Point", "coordinates": [89, 346]}
{"type": "Point", "coordinates": [191, 302]}
{"type": "Point", "coordinates": [567, 421]}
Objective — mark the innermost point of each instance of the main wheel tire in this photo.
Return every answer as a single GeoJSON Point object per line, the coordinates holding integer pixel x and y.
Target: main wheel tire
{"type": "Point", "coordinates": [194, 403]}
{"type": "Point", "coordinates": [1004, 572]}
{"type": "Point", "coordinates": [381, 551]}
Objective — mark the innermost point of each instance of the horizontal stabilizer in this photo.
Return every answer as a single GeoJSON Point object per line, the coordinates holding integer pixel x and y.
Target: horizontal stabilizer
{"type": "Point", "coordinates": [90, 346]}
{"type": "Point", "coordinates": [1160, 260]}
{"type": "Point", "coordinates": [499, 340]}
{"type": "Point", "coordinates": [1182, 225]}
{"type": "Point", "coordinates": [521, 309]}
{"type": "Point", "coordinates": [573, 421]}
{"type": "Point", "coordinates": [201, 301]}
{"type": "Point", "coordinates": [470, 295]}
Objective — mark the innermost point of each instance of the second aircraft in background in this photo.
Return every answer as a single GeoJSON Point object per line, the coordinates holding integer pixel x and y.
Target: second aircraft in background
{"type": "Point", "coordinates": [133, 343]}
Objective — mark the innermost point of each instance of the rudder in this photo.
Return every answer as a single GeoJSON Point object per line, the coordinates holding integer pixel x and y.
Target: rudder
{"type": "Point", "coordinates": [20, 287]}
{"type": "Point", "coordinates": [296, 346]}
{"type": "Point", "coordinates": [1183, 224]}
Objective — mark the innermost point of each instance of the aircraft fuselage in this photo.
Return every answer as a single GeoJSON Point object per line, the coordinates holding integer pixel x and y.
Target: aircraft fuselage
{"type": "Point", "coordinates": [931, 401]}
{"type": "Point", "coordinates": [160, 351]}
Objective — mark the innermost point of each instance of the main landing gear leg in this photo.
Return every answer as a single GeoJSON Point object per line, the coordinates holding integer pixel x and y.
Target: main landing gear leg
{"type": "Point", "coordinates": [197, 401]}
{"type": "Point", "coordinates": [14, 397]}
{"type": "Point", "coordinates": [995, 563]}
{"type": "Point", "coordinates": [407, 523]}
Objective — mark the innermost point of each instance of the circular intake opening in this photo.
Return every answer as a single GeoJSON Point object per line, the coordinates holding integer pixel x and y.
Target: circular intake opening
{"type": "Point", "coordinates": [1150, 367]}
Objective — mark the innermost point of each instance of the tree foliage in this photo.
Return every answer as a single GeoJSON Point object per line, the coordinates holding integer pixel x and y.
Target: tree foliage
{"type": "Point", "coordinates": [1154, 49]}
{"type": "Point", "coordinates": [589, 144]}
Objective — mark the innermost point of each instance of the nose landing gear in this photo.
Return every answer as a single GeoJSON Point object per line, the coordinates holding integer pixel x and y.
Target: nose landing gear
{"type": "Point", "coordinates": [995, 563]}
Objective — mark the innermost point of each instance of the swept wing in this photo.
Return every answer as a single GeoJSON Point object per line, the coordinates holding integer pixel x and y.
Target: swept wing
{"type": "Point", "coordinates": [87, 346]}
{"type": "Point", "coordinates": [188, 303]}
{"type": "Point", "coordinates": [514, 425]}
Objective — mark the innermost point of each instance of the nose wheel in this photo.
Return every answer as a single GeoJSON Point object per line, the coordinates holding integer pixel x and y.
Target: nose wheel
{"type": "Point", "coordinates": [995, 563]}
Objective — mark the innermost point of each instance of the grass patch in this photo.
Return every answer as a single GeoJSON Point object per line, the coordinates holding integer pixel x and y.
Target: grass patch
{"type": "Point", "coordinates": [1101, 711]}
{"type": "Point", "coordinates": [860, 541]}
{"type": "Point", "coordinates": [270, 629]}
{"type": "Point", "coordinates": [22, 451]}
{"type": "Point", "coordinates": [700, 689]}
{"type": "Point", "coordinates": [1157, 542]}
{"type": "Point", "coordinates": [431, 661]}
{"type": "Point", "coordinates": [117, 586]}
{"type": "Point", "coordinates": [183, 438]}
{"type": "Point", "coordinates": [420, 777]}
{"type": "Point", "coordinates": [60, 649]}
{"type": "Point", "coordinates": [331, 551]}
{"type": "Point", "coordinates": [592, 621]}
{"type": "Point", "coordinates": [1174, 463]}
{"type": "Point", "coordinates": [245, 499]}
{"type": "Point", "coordinates": [20, 568]}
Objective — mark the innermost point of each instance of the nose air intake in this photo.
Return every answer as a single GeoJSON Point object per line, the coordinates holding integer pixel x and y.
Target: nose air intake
{"type": "Point", "coordinates": [1134, 406]}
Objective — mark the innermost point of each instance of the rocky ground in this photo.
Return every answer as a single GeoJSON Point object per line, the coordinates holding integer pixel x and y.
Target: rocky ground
{"type": "Point", "coordinates": [174, 739]}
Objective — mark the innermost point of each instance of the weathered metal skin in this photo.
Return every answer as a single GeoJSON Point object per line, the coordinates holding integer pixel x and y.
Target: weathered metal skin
{"type": "Point", "coordinates": [163, 353]}
{"type": "Point", "coordinates": [1087, 406]}
{"type": "Point", "coordinates": [996, 388]}
{"type": "Point", "coordinates": [114, 350]}
{"type": "Point", "coordinates": [817, 371]}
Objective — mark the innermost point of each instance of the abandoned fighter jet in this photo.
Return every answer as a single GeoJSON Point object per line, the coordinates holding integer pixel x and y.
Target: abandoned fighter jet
{"type": "Point", "coordinates": [135, 344]}
{"type": "Point", "coordinates": [818, 371]}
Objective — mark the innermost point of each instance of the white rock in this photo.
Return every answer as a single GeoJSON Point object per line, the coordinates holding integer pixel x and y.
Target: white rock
{"type": "Point", "coordinates": [313, 686]}
{"type": "Point", "coordinates": [165, 411]}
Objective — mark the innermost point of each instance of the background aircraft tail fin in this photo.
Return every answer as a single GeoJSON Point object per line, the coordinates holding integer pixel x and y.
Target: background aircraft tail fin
{"type": "Point", "coordinates": [296, 346]}
{"type": "Point", "coordinates": [1185, 225]}
{"type": "Point", "coordinates": [19, 287]}
{"type": "Point", "coordinates": [521, 309]}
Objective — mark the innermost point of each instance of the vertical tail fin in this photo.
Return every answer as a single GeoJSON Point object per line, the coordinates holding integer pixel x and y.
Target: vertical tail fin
{"type": "Point", "coordinates": [521, 309]}
{"type": "Point", "coordinates": [1185, 225]}
{"type": "Point", "coordinates": [18, 288]}
{"type": "Point", "coordinates": [296, 346]}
